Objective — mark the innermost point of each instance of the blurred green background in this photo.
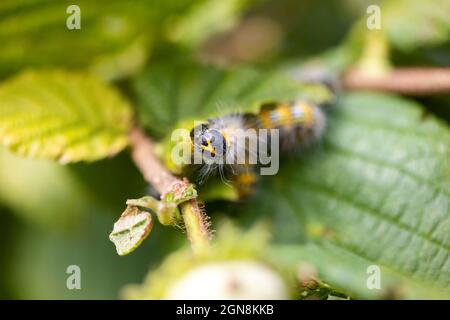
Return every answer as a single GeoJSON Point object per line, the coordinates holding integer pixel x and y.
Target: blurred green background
{"type": "Point", "coordinates": [53, 216]}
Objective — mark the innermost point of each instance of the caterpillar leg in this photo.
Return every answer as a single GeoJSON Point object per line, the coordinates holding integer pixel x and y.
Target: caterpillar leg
{"type": "Point", "coordinates": [245, 180]}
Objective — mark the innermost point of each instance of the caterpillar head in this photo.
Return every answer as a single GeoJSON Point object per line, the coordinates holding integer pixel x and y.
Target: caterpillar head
{"type": "Point", "coordinates": [209, 142]}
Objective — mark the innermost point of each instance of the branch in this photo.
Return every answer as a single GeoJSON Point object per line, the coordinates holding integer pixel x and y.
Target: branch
{"type": "Point", "coordinates": [408, 81]}
{"type": "Point", "coordinates": [154, 172]}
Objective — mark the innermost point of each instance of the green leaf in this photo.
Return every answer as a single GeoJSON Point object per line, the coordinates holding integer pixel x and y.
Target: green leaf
{"type": "Point", "coordinates": [411, 24]}
{"type": "Point", "coordinates": [130, 230]}
{"type": "Point", "coordinates": [376, 191]}
{"type": "Point", "coordinates": [114, 38]}
{"type": "Point", "coordinates": [349, 273]}
{"type": "Point", "coordinates": [62, 116]}
{"type": "Point", "coordinates": [206, 18]}
{"type": "Point", "coordinates": [168, 94]}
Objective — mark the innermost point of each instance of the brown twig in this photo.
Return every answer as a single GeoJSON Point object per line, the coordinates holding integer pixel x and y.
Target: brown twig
{"type": "Point", "coordinates": [152, 169]}
{"type": "Point", "coordinates": [163, 181]}
{"type": "Point", "coordinates": [408, 81]}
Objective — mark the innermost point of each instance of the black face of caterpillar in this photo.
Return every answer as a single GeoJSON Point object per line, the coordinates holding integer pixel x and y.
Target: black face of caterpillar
{"type": "Point", "coordinates": [209, 141]}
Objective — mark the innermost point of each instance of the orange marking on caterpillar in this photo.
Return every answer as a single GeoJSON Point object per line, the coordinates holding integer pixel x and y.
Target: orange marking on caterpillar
{"type": "Point", "coordinates": [246, 178]}
{"type": "Point", "coordinates": [285, 117]}
{"type": "Point", "coordinates": [265, 118]}
{"type": "Point", "coordinates": [308, 115]}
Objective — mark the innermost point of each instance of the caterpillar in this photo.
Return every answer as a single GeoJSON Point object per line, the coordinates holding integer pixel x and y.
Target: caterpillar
{"type": "Point", "coordinates": [221, 142]}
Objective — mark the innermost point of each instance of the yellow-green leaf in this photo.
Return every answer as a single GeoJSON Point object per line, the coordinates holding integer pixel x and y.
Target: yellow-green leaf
{"type": "Point", "coordinates": [62, 116]}
{"type": "Point", "coordinates": [130, 230]}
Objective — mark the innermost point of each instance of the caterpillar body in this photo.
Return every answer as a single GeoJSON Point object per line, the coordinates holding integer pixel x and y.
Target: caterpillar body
{"type": "Point", "coordinates": [297, 123]}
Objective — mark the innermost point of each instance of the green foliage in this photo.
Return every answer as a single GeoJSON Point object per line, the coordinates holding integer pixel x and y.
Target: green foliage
{"type": "Point", "coordinates": [114, 39]}
{"type": "Point", "coordinates": [414, 23]}
{"type": "Point", "coordinates": [63, 116]}
{"type": "Point", "coordinates": [205, 19]}
{"type": "Point", "coordinates": [375, 192]}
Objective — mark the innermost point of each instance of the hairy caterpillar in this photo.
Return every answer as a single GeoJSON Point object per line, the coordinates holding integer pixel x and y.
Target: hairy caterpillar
{"type": "Point", "coordinates": [220, 141]}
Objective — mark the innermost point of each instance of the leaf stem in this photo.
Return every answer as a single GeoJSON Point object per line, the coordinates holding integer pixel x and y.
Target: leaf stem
{"type": "Point", "coordinates": [195, 220]}
{"type": "Point", "coordinates": [196, 224]}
